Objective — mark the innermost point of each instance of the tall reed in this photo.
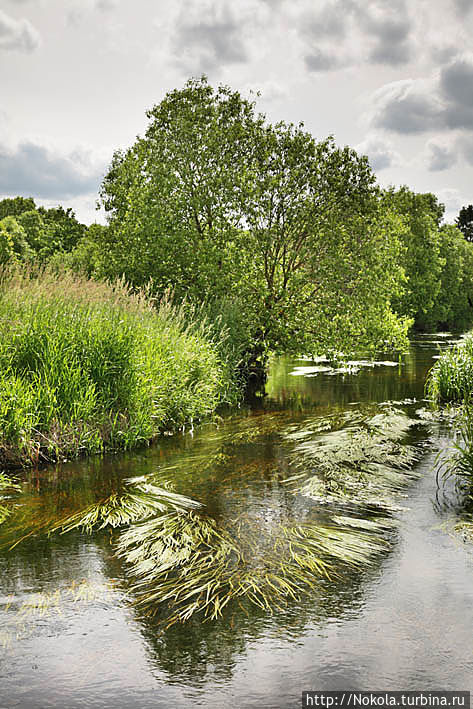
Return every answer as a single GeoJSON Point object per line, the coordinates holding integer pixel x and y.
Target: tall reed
{"type": "Point", "coordinates": [87, 366]}
{"type": "Point", "coordinates": [451, 378]}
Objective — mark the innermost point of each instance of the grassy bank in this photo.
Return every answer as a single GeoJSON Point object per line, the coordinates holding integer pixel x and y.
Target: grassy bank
{"type": "Point", "coordinates": [87, 367]}
{"type": "Point", "coordinates": [451, 378]}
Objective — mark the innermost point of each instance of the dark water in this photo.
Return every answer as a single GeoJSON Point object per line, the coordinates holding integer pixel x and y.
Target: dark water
{"type": "Point", "coordinates": [71, 637]}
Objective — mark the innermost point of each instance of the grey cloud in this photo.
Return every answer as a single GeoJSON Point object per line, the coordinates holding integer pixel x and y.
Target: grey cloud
{"type": "Point", "coordinates": [390, 30]}
{"type": "Point", "coordinates": [331, 22]}
{"type": "Point", "coordinates": [402, 108]}
{"type": "Point", "coordinates": [19, 35]}
{"type": "Point", "coordinates": [209, 41]}
{"type": "Point", "coordinates": [456, 87]}
{"type": "Point", "coordinates": [439, 156]}
{"type": "Point", "coordinates": [393, 51]}
{"type": "Point", "coordinates": [463, 6]}
{"type": "Point", "coordinates": [31, 169]}
{"type": "Point", "coordinates": [384, 29]}
{"type": "Point", "coordinates": [319, 60]}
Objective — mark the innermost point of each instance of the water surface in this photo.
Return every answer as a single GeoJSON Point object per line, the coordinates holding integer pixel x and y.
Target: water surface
{"type": "Point", "coordinates": [70, 635]}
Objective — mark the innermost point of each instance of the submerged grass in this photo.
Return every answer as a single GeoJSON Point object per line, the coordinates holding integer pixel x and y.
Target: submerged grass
{"type": "Point", "coordinates": [86, 366]}
{"type": "Point", "coordinates": [7, 487]}
{"type": "Point", "coordinates": [184, 562]}
{"type": "Point", "coordinates": [366, 463]}
{"type": "Point", "coordinates": [188, 563]}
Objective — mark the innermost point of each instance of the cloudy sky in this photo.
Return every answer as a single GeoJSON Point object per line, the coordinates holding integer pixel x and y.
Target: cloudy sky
{"type": "Point", "coordinates": [393, 78]}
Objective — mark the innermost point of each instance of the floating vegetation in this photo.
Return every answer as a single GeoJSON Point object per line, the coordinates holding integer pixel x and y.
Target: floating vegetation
{"type": "Point", "coordinates": [362, 464]}
{"type": "Point", "coordinates": [7, 487]}
{"type": "Point", "coordinates": [331, 368]}
{"type": "Point", "coordinates": [190, 564]}
{"type": "Point", "coordinates": [270, 544]}
{"type": "Point", "coordinates": [141, 500]}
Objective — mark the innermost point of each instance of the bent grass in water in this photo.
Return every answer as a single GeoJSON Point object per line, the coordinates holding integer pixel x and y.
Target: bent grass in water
{"type": "Point", "coordinates": [183, 562]}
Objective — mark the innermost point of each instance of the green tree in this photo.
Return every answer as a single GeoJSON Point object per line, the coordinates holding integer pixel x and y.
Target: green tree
{"type": "Point", "coordinates": [6, 246]}
{"type": "Point", "coordinates": [213, 201]}
{"type": "Point", "coordinates": [464, 222]}
{"type": "Point", "coordinates": [454, 305]}
{"type": "Point", "coordinates": [64, 230]}
{"type": "Point", "coordinates": [423, 262]}
{"type": "Point", "coordinates": [13, 207]}
{"type": "Point", "coordinates": [14, 234]}
{"type": "Point", "coordinates": [36, 232]}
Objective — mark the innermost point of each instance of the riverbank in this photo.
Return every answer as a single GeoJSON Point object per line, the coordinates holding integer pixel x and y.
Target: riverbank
{"type": "Point", "coordinates": [87, 367]}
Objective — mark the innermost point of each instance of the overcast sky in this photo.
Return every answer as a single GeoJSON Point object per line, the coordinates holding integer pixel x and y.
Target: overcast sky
{"type": "Point", "coordinates": [392, 78]}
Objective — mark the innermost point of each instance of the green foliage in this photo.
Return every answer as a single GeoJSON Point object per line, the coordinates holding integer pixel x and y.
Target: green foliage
{"type": "Point", "coordinates": [64, 231]}
{"type": "Point", "coordinates": [39, 233]}
{"type": "Point", "coordinates": [464, 222]}
{"type": "Point", "coordinates": [454, 304]}
{"type": "Point", "coordinates": [437, 262]}
{"type": "Point", "coordinates": [451, 378]}
{"type": "Point", "coordinates": [6, 246]}
{"type": "Point", "coordinates": [14, 207]}
{"type": "Point", "coordinates": [13, 238]}
{"type": "Point", "coordinates": [217, 204]}
{"type": "Point", "coordinates": [87, 366]}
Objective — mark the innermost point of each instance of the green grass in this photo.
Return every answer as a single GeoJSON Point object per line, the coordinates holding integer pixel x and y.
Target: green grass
{"type": "Point", "coordinates": [87, 367]}
{"type": "Point", "coordinates": [451, 378]}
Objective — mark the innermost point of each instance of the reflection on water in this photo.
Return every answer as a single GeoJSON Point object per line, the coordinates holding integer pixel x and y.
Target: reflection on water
{"type": "Point", "coordinates": [72, 637]}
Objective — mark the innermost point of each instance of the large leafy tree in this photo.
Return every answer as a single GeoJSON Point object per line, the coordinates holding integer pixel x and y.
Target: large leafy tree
{"type": "Point", "coordinates": [217, 204]}
{"type": "Point", "coordinates": [423, 262]}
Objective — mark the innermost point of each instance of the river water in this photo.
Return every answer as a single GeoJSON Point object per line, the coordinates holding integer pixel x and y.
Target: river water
{"type": "Point", "coordinates": [70, 635]}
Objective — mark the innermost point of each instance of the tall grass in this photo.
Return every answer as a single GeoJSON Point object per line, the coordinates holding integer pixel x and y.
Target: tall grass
{"type": "Point", "coordinates": [451, 378]}
{"type": "Point", "coordinates": [86, 366]}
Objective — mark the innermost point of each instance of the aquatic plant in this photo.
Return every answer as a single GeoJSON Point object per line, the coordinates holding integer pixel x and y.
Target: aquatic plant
{"type": "Point", "coordinates": [189, 563]}
{"type": "Point", "coordinates": [451, 378]}
{"type": "Point", "coordinates": [140, 500]}
{"type": "Point", "coordinates": [363, 463]}
{"type": "Point", "coordinates": [7, 486]}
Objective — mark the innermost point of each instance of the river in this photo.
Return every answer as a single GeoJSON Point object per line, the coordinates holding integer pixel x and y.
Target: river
{"type": "Point", "coordinates": [71, 636]}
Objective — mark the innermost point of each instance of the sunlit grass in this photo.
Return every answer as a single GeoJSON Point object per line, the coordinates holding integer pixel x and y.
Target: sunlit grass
{"type": "Point", "coordinates": [366, 462]}
{"type": "Point", "coordinates": [87, 366]}
{"type": "Point", "coordinates": [451, 378]}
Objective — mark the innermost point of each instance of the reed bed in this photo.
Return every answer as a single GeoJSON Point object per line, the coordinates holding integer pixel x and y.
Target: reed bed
{"type": "Point", "coordinates": [87, 366]}
{"type": "Point", "coordinates": [451, 378]}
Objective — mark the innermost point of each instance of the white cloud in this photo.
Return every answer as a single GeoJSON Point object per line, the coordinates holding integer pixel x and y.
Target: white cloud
{"type": "Point", "coordinates": [19, 35]}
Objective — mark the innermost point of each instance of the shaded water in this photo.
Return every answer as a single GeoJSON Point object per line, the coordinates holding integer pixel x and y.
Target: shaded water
{"type": "Point", "coordinates": [71, 637]}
